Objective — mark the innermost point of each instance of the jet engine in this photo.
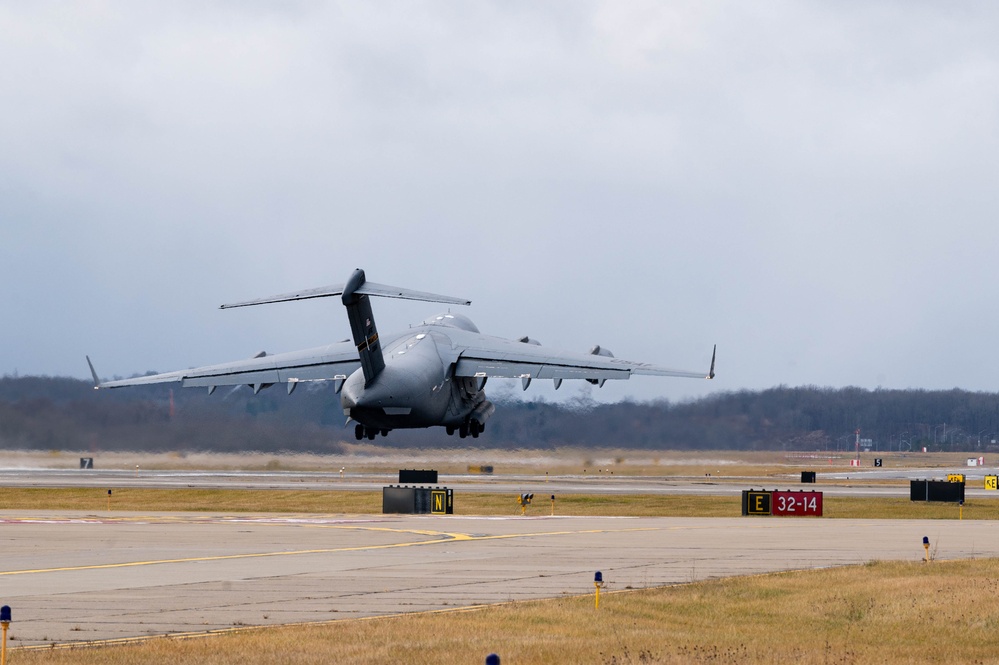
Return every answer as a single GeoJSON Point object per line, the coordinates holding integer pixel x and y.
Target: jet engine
{"type": "Point", "coordinates": [599, 351]}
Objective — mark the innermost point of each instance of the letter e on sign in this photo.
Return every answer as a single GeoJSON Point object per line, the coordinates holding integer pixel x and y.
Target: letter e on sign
{"type": "Point", "coordinates": [759, 503]}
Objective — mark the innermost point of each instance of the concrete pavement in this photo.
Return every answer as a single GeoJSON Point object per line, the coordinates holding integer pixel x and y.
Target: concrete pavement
{"type": "Point", "coordinates": [73, 577]}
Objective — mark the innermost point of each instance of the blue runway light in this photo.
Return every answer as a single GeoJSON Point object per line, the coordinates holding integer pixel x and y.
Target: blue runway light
{"type": "Point", "coordinates": [4, 625]}
{"type": "Point", "coordinates": [926, 540]}
{"type": "Point", "coordinates": [598, 577]}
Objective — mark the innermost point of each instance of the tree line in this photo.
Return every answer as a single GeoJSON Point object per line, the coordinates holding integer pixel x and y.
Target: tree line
{"type": "Point", "coordinates": [52, 413]}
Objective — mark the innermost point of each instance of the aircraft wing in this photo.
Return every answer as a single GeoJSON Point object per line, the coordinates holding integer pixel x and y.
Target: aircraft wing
{"type": "Point", "coordinates": [325, 363]}
{"type": "Point", "coordinates": [513, 359]}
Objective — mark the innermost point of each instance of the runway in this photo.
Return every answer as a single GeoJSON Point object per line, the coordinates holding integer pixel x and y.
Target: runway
{"type": "Point", "coordinates": [867, 482]}
{"type": "Point", "coordinates": [74, 577]}
{"type": "Point", "coordinates": [77, 577]}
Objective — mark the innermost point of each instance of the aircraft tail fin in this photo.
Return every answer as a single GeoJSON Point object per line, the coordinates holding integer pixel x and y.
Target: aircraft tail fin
{"type": "Point", "coordinates": [355, 297]}
{"type": "Point", "coordinates": [362, 327]}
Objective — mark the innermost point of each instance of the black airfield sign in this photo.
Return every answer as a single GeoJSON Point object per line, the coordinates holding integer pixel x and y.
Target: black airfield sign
{"type": "Point", "coordinates": [756, 503]}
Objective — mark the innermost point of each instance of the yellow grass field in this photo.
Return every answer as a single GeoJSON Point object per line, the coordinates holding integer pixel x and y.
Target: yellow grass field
{"type": "Point", "coordinates": [466, 503]}
{"type": "Point", "coordinates": [941, 612]}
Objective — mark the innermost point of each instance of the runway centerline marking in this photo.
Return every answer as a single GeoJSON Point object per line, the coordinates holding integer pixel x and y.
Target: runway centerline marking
{"type": "Point", "coordinates": [439, 537]}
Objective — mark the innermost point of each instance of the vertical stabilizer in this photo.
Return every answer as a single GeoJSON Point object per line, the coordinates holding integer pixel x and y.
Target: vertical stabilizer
{"type": "Point", "coordinates": [362, 327]}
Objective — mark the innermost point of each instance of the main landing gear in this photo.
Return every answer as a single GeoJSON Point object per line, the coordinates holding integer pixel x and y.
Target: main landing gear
{"type": "Point", "coordinates": [362, 432]}
{"type": "Point", "coordinates": [473, 427]}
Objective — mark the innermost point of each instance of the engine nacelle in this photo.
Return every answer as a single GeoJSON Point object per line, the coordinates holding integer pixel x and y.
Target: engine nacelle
{"type": "Point", "coordinates": [599, 351]}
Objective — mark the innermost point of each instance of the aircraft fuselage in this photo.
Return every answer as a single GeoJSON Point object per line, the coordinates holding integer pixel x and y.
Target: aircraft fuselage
{"type": "Point", "coordinates": [417, 387]}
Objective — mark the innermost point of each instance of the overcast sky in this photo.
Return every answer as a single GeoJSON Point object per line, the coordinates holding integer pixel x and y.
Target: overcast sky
{"type": "Point", "coordinates": [813, 186]}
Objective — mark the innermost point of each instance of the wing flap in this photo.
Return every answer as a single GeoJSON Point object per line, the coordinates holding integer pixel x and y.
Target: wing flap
{"type": "Point", "coordinates": [518, 369]}
{"type": "Point", "coordinates": [335, 361]}
{"type": "Point", "coordinates": [500, 358]}
{"type": "Point", "coordinates": [167, 377]}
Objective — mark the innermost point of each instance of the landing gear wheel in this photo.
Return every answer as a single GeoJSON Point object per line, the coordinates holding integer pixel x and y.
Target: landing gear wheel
{"type": "Point", "coordinates": [359, 431]}
{"type": "Point", "coordinates": [450, 429]}
{"type": "Point", "coordinates": [372, 433]}
{"type": "Point", "coordinates": [463, 430]}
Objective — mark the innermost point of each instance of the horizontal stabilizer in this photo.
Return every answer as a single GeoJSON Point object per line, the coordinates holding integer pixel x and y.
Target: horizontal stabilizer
{"type": "Point", "coordinates": [385, 291]}
{"type": "Point", "coordinates": [321, 292]}
{"type": "Point", "coordinates": [365, 289]}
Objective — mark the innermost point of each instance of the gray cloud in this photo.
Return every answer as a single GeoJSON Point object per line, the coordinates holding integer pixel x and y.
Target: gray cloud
{"type": "Point", "coordinates": [811, 186]}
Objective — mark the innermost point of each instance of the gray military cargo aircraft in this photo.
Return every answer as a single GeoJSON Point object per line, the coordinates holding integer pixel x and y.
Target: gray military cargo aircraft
{"type": "Point", "coordinates": [431, 374]}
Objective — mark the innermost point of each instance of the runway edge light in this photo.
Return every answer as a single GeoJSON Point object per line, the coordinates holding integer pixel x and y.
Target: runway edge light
{"type": "Point", "coordinates": [598, 581]}
{"type": "Point", "coordinates": [926, 546]}
{"type": "Point", "coordinates": [5, 624]}
{"type": "Point", "coordinates": [493, 659]}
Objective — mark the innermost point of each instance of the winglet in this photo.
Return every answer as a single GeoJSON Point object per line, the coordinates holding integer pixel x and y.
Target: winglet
{"type": "Point", "coordinates": [711, 372]}
{"type": "Point", "coordinates": [93, 373]}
